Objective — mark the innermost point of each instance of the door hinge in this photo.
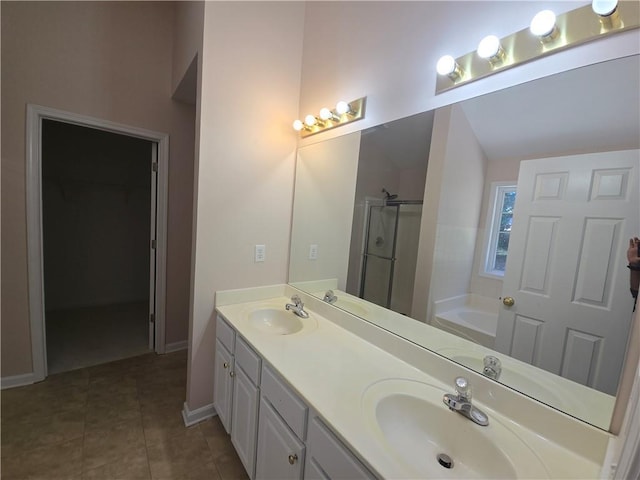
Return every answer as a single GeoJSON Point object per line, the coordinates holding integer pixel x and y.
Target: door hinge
{"type": "Point", "coordinates": [152, 318]}
{"type": "Point", "coordinates": [154, 167]}
{"type": "Point", "coordinates": [153, 244]}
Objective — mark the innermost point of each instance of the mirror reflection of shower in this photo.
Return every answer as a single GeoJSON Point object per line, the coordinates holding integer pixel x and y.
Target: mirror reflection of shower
{"type": "Point", "coordinates": [390, 187]}
{"type": "Point", "coordinates": [390, 249]}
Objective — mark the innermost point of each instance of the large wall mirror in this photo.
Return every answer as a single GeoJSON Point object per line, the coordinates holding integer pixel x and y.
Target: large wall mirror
{"type": "Point", "coordinates": [493, 231]}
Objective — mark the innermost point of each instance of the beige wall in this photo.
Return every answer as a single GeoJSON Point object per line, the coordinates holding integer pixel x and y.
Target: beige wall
{"type": "Point", "coordinates": [323, 212]}
{"type": "Point", "coordinates": [187, 37]}
{"type": "Point", "coordinates": [110, 60]}
{"type": "Point", "coordinates": [250, 80]}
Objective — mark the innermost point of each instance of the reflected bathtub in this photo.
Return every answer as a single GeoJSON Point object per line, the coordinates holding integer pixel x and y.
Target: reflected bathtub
{"type": "Point", "coordinates": [471, 317]}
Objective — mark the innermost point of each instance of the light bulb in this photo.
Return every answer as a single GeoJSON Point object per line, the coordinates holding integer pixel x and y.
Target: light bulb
{"type": "Point", "coordinates": [489, 46]}
{"type": "Point", "coordinates": [326, 114]}
{"type": "Point", "coordinates": [543, 24]}
{"type": "Point", "coordinates": [297, 125]}
{"type": "Point", "coordinates": [342, 107]}
{"type": "Point", "coordinates": [310, 120]}
{"type": "Point", "coordinates": [446, 65]}
{"type": "Point", "coordinates": [604, 8]}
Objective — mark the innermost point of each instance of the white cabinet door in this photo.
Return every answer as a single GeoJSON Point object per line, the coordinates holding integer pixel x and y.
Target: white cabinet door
{"type": "Point", "coordinates": [223, 385]}
{"type": "Point", "coordinates": [328, 457]}
{"type": "Point", "coordinates": [280, 453]}
{"type": "Point", "coordinates": [244, 418]}
{"type": "Point", "coordinates": [312, 470]}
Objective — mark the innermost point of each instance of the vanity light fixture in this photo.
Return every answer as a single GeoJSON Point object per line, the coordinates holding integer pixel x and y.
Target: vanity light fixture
{"type": "Point", "coordinates": [448, 66]}
{"type": "Point", "coordinates": [343, 113]}
{"type": "Point", "coordinates": [543, 26]}
{"type": "Point", "coordinates": [547, 33]}
{"type": "Point", "coordinates": [490, 49]}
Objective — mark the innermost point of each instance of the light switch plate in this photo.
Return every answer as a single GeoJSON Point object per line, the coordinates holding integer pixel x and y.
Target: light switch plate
{"type": "Point", "coordinates": [313, 252]}
{"type": "Point", "coordinates": [260, 253]}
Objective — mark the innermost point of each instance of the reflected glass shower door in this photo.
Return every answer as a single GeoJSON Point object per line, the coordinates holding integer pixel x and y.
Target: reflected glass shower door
{"type": "Point", "coordinates": [390, 253]}
{"type": "Point", "coordinates": [379, 255]}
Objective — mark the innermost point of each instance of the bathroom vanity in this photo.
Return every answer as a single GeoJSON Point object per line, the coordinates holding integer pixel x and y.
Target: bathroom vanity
{"type": "Point", "coordinates": [333, 396]}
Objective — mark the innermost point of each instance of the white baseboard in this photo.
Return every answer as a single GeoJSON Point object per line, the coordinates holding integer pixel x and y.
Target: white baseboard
{"type": "Point", "coordinates": [197, 415]}
{"type": "Point", "coordinates": [17, 381]}
{"type": "Point", "coordinates": [176, 346]}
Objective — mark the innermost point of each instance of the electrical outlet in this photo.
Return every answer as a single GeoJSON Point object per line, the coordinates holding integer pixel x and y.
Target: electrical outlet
{"type": "Point", "coordinates": [261, 253]}
{"type": "Point", "coordinates": [313, 252]}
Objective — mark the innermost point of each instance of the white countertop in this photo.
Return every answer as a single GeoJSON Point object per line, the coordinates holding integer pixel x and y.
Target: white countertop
{"type": "Point", "coordinates": [331, 368]}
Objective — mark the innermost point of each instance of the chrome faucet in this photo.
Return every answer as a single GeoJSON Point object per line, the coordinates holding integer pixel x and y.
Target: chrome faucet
{"type": "Point", "coordinates": [461, 403]}
{"type": "Point", "coordinates": [330, 297]}
{"type": "Point", "coordinates": [492, 367]}
{"type": "Point", "coordinates": [297, 307]}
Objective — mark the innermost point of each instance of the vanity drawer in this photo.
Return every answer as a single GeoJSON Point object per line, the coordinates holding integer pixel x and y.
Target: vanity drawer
{"type": "Point", "coordinates": [290, 407]}
{"type": "Point", "coordinates": [225, 333]}
{"type": "Point", "coordinates": [248, 360]}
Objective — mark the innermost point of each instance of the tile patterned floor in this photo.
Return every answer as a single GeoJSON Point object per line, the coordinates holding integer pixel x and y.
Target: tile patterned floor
{"type": "Point", "coordinates": [120, 420]}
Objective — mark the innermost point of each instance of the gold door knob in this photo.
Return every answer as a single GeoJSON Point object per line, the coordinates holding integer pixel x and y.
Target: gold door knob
{"type": "Point", "coordinates": [508, 301]}
{"type": "Point", "coordinates": [293, 458]}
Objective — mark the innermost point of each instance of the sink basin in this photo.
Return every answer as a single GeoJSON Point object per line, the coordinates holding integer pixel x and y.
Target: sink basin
{"type": "Point", "coordinates": [410, 420]}
{"type": "Point", "coordinates": [276, 321]}
{"type": "Point", "coordinates": [351, 307]}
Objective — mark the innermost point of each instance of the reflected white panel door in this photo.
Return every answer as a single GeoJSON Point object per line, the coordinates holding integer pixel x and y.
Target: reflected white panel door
{"type": "Point", "coordinates": [566, 268]}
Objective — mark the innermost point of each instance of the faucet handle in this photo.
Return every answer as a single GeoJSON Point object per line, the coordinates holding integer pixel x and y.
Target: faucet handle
{"type": "Point", "coordinates": [463, 389]}
{"type": "Point", "coordinates": [330, 297]}
{"type": "Point", "coordinates": [491, 361]}
{"type": "Point", "coordinates": [297, 301]}
{"type": "Point", "coordinates": [492, 367]}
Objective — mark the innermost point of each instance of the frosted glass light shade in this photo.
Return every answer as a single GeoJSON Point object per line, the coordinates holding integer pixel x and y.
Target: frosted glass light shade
{"type": "Point", "coordinates": [342, 107]}
{"type": "Point", "coordinates": [297, 125]}
{"type": "Point", "coordinates": [489, 47]}
{"type": "Point", "coordinates": [310, 120]}
{"type": "Point", "coordinates": [543, 23]}
{"type": "Point", "coordinates": [446, 65]}
{"type": "Point", "coordinates": [604, 8]}
{"type": "Point", "coordinates": [325, 114]}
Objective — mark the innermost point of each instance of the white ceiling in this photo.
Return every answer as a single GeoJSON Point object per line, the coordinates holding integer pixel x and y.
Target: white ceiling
{"type": "Point", "coordinates": [404, 142]}
{"type": "Point", "coordinates": [588, 109]}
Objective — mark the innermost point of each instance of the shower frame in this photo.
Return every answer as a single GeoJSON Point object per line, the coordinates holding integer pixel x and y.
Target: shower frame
{"type": "Point", "coordinates": [366, 254]}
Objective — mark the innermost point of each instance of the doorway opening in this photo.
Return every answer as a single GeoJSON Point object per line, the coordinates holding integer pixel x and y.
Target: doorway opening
{"type": "Point", "coordinates": [98, 216]}
{"type": "Point", "coordinates": [96, 211]}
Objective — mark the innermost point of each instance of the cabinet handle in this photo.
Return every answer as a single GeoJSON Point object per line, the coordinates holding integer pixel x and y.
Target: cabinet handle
{"type": "Point", "coordinates": [232, 373]}
{"type": "Point", "coordinates": [225, 365]}
{"type": "Point", "coordinates": [293, 458]}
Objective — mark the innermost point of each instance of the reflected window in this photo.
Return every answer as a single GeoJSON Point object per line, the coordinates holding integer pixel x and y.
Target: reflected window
{"type": "Point", "coordinates": [503, 198]}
